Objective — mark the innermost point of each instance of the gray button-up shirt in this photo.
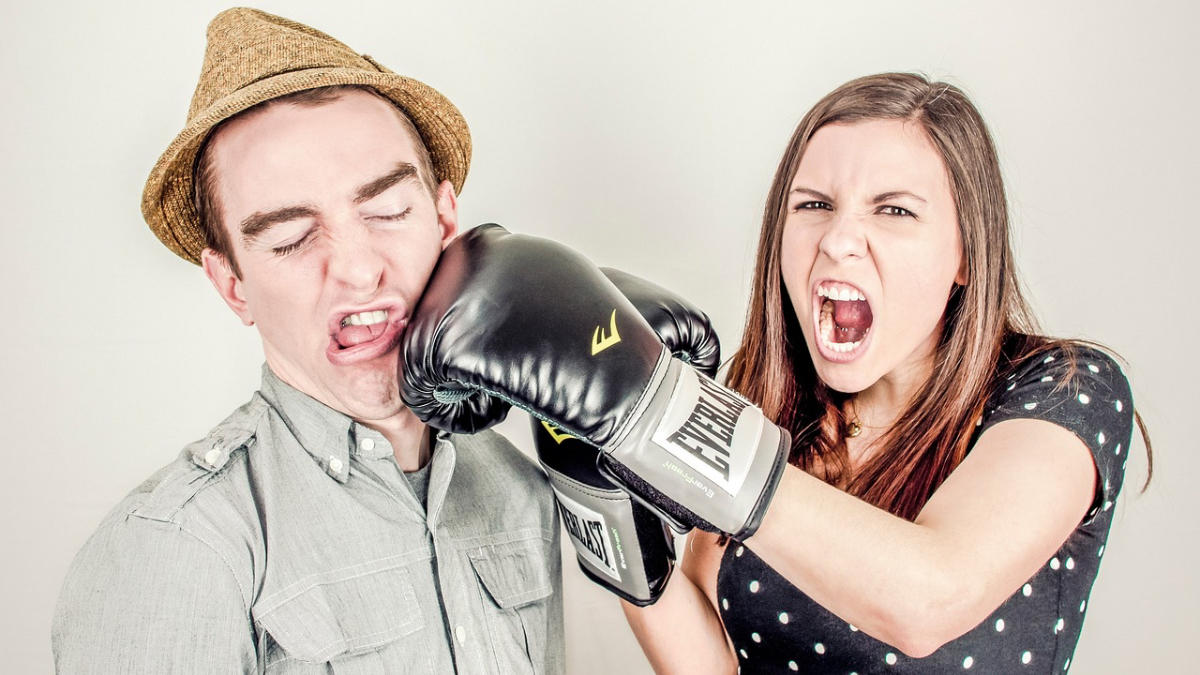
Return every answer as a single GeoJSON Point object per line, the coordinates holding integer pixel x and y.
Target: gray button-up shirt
{"type": "Point", "coordinates": [289, 541]}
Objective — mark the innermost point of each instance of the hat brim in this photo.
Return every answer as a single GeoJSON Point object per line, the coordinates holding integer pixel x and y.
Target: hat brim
{"type": "Point", "coordinates": [167, 200]}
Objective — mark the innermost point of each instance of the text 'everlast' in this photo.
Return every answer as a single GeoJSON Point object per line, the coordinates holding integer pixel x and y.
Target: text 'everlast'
{"type": "Point", "coordinates": [708, 432]}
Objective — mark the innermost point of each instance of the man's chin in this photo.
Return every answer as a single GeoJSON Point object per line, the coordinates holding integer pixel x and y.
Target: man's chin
{"type": "Point", "coordinates": [367, 396]}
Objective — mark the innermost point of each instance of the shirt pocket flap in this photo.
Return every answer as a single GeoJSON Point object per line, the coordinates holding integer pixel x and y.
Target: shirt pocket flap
{"type": "Point", "coordinates": [514, 573]}
{"type": "Point", "coordinates": [330, 618]}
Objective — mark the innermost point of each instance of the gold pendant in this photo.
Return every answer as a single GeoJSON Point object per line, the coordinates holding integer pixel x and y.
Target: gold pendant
{"type": "Point", "coordinates": [854, 429]}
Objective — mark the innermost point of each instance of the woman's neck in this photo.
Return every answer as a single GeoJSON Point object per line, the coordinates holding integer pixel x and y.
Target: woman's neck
{"type": "Point", "coordinates": [881, 404]}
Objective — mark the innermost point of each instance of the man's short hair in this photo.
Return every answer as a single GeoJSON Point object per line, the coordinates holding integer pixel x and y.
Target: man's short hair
{"type": "Point", "coordinates": [208, 206]}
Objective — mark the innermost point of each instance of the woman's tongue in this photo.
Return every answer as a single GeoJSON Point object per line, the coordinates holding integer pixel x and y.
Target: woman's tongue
{"type": "Point", "coordinates": [851, 320]}
{"type": "Point", "coordinates": [352, 336]}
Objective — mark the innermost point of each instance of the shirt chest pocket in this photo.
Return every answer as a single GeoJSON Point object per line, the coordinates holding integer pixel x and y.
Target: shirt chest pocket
{"type": "Point", "coordinates": [343, 625]}
{"type": "Point", "coordinates": [515, 589]}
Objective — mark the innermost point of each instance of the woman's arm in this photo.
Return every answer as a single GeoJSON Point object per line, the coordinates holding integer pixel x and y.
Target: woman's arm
{"type": "Point", "coordinates": [999, 516]}
{"type": "Point", "coordinates": [682, 632]}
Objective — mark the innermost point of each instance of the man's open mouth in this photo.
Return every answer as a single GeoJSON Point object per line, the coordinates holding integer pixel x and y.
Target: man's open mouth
{"type": "Point", "coordinates": [364, 336]}
{"type": "Point", "coordinates": [845, 317]}
{"type": "Point", "coordinates": [362, 327]}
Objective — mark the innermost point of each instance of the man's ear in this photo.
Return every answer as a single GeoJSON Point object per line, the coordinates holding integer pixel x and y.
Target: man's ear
{"type": "Point", "coordinates": [447, 210]}
{"type": "Point", "coordinates": [228, 285]}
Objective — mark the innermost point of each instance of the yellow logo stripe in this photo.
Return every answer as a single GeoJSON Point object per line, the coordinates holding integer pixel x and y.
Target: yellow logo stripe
{"type": "Point", "coordinates": [558, 436]}
{"type": "Point", "coordinates": [600, 341]}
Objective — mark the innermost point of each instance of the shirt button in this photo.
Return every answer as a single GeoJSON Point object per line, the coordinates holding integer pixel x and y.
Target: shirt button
{"type": "Point", "coordinates": [212, 456]}
{"type": "Point", "coordinates": [461, 634]}
{"type": "Point", "coordinates": [366, 444]}
{"type": "Point", "coordinates": [335, 464]}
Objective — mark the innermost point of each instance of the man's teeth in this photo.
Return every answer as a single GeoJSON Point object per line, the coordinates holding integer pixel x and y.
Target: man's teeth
{"type": "Point", "coordinates": [365, 318]}
{"type": "Point", "coordinates": [839, 294]}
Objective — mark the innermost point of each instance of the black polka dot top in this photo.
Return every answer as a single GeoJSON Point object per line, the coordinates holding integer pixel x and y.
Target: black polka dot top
{"type": "Point", "coordinates": [776, 628]}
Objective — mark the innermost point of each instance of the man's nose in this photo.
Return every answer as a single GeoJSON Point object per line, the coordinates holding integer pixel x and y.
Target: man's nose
{"type": "Point", "coordinates": [845, 237]}
{"type": "Point", "coordinates": [354, 259]}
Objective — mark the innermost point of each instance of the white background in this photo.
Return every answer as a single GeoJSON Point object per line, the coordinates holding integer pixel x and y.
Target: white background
{"type": "Point", "coordinates": [643, 134]}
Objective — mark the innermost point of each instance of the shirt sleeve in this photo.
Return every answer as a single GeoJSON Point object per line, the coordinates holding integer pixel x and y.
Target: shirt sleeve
{"type": "Point", "coordinates": [1083, 391]}
{"type": "Point", "coordinates": [145, 596]}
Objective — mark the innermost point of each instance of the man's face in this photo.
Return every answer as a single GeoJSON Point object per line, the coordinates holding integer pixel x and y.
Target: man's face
{"type": "Point", "coordinates": [336, 236]}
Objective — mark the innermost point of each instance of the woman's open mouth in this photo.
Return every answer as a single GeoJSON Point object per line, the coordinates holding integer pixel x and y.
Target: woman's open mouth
{"type": "Point", "coordinates": [844, 320]}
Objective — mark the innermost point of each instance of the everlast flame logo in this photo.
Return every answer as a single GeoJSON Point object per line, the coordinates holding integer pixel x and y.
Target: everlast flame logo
{"type": "Point", "coordinates": [600, 341]}
{"type": "Point", "coordinates": [708, 432]}
{"type": "Point", "coordinates": [558, 436]}
{"type": "Point", "coordinates": [590, 533]}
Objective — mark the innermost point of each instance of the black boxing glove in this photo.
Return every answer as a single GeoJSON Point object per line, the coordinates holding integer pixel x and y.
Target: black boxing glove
{"type": "Point", "coordinates": [510, 319]}
{"type": "Point", "coordinates": [619, 543]}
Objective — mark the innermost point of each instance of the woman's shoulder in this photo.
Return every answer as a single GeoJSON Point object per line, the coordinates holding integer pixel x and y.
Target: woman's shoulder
{"type": "Point", "coordinates": [1076, 385]}
{"type": "Point", "coordinates": [1080, 387]}
{"type": "Point", "coordinates": [1070, 368]}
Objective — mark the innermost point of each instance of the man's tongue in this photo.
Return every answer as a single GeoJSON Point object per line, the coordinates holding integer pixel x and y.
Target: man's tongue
{"type": "Point", "coordinates": [351, 336]}
{"type": "Point", "coordinates": [851, 320]}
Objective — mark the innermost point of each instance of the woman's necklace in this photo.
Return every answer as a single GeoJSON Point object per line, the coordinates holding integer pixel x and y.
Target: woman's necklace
{"type": "Point", "coordinates": [853, 427]}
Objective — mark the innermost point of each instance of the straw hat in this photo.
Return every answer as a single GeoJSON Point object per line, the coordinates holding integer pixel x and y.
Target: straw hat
{"type": "Point", "coordinates": [252, 57]}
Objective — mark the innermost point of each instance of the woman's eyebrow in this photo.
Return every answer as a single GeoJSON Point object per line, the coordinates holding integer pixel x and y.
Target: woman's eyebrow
{"type": "Point", "coordinates": [885, 196]}
{"type": "Point", "coordinates": [811, 192]}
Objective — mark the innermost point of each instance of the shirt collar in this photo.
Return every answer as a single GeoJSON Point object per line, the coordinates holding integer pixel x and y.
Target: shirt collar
{"type": "Point", "coordinates": [325, 434]}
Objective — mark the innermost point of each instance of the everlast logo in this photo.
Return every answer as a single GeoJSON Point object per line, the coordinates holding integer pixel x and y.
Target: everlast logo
{"type": "Point", "coordinates": [590, 533]}
{"type": "Point", "coordinates": [708, 432]}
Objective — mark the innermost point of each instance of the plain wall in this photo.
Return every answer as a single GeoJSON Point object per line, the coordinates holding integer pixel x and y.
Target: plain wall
{"type": "Point", "coordinates": [643, 134]}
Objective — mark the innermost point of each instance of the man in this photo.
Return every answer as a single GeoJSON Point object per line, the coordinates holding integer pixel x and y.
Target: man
{"type": "Point", "coordinates": [321, 527]}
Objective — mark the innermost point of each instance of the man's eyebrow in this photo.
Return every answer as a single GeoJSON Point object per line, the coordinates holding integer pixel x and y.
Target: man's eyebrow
{"type": "Point", "coordinates": [257, 223]}
{"type": "Point", "coordinates": [885, 196]}
{"type": "Point", "coordinates": [403, 171]}
{"type": "Point", "coordinates": [811, 192]}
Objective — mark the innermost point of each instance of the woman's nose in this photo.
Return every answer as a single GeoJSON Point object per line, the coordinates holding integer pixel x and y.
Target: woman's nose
{"type": "Point", "coordinates": [844, 238]}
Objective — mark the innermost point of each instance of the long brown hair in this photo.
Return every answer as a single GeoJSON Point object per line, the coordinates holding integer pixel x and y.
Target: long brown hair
{"type": "Point", "coordinates": [988, 326]}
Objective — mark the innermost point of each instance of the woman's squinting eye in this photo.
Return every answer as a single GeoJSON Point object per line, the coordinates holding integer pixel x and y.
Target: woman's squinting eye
{"type": "Point", "coordinates": [812, 206]}
{"type": "Point", "coordinates": [896, 211]}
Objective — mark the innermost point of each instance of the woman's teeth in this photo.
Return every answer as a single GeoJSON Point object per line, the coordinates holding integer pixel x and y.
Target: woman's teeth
{"type": "Point", "coordinates": [845, 317]}
{"type": "Point", "coordinates": [839, 294]}
{"type": "Point", "coordinates": [828, 327]}
{"type": "Point", "coordinates": [365, 318]}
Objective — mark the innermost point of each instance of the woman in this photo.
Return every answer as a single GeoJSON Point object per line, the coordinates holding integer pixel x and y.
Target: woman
{"type": "Point", "coordinates": [953, 471]}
